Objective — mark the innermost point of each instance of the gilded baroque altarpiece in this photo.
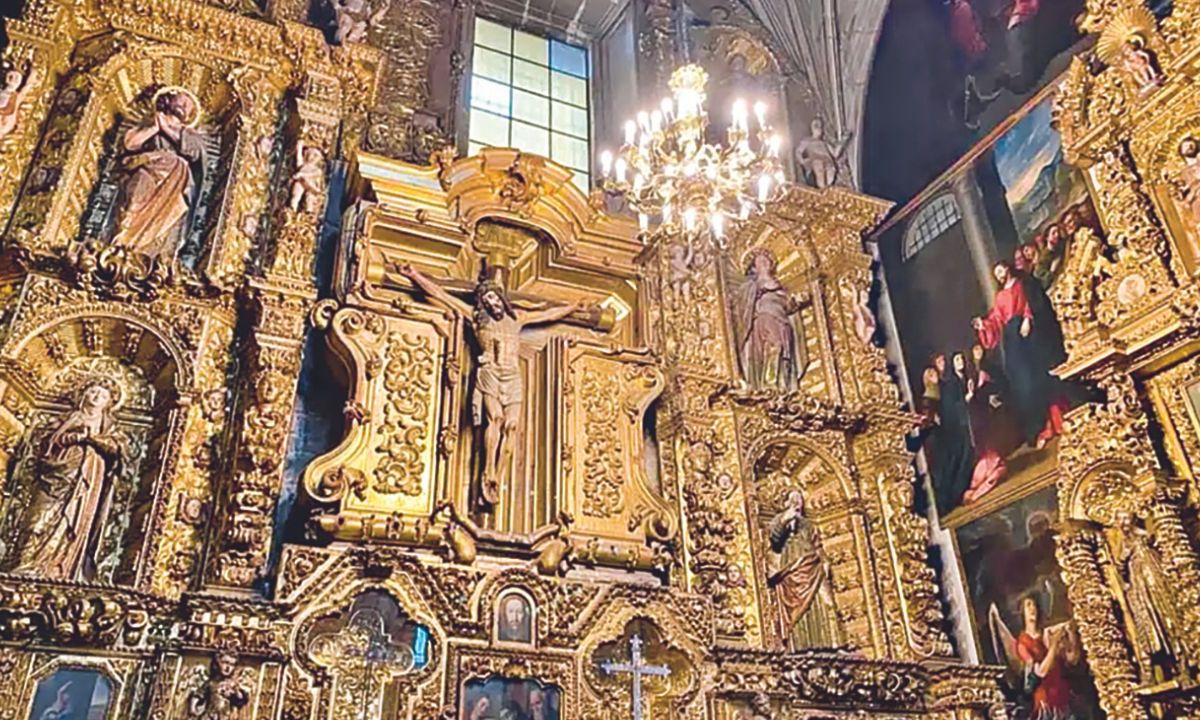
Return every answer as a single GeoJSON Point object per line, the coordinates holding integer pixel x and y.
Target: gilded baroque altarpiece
{"type": "Point", "coordinates": [163, 199]}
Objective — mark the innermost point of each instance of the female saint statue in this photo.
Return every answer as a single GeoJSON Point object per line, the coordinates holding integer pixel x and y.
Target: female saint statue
{"type": "Point", "coordinates": [770, 351]}
{"type": "Point", "coordinates": [161, 178]}
{"type": "Point", "coordinates": [74, 483]}
{"type": "Point", "coordinates": [802, 579]}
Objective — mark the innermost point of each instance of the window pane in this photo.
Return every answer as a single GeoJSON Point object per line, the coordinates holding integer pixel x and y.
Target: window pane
{"type": "Point", "coordinates": [568, 89]}
{"type": "Point", "coordinates": [531, 108]}
{"type": "Point", "coordinates": [568, 58]}
{"type": "Point", "coordinates": [570, 119]}
{"type": "Point", "coordinates": [531, 77]}
{"type": "Point", "coordinates": [530, 47]}
{"type": "Point", "coordinates": [492, 35]}
{"type": "Point", "coordinates": [473, 148]}
{"type": "Point", "coordinates": [569, 151]}
{"type": "Point", "coordinates": [489, 95]}
{"type": "Point", "coordinates": [530, 139]}
{"type": "Point", "coordinates": [491, 64]}
{"type": "Point", "coordinates": [489, 129]}
{"type": "Point", "coordinates": [583, 182]}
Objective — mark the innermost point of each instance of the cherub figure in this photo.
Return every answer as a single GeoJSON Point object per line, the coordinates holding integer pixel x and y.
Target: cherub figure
{"type": "Point", "coordinates": [353, 18]}
{"type": "Point", "coordinates": [1139, 64]}
{"type": "Point", "coordinates": [679, 270]}
{"type": "Point", "coordinates": [16, 88]}
{"type": "Point", "coordinates": [308, 182]}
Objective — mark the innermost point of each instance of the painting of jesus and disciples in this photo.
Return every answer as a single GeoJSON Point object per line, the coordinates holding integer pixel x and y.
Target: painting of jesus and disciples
{"type": "Point", "coordinates": [991, 406]}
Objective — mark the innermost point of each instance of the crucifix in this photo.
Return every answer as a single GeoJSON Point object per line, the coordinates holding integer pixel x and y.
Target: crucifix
{"type": "Point", "coordinates": [362, 658]}
{"type": "Point", "coordinates": [496, 317]}
{"type": "Point", "coordinates": [637, 668]}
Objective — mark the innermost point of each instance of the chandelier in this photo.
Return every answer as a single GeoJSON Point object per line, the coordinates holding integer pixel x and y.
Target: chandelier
{"type": "Point", "coordinates": [670, 173]}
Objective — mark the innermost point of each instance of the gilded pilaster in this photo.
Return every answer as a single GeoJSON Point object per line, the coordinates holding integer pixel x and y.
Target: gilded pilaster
{"type": "Point", "coordinates": [281, 300]}
{"type": "Point", "coordinates": [1099, 627]}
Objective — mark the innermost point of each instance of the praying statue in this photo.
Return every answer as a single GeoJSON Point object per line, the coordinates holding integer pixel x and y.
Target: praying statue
{"type": "Point", "coordinates": [802, 578]}
{"type": "Point", "coordinates": [498, 398]}
{"type": "Point", "coordinates": [74, 473]}
{"type": "Point", "coordinates": [771, 352]}
{"type": "Point", "coordinates": [162, 176]}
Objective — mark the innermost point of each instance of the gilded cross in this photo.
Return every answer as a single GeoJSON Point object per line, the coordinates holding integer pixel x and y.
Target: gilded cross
{"type": "Point", "coordinates": [362, 659]}
{"type": "Point", "coordinates": [637, 668]}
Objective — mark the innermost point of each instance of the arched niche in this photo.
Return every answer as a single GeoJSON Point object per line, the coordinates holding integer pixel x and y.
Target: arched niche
{"type": "Point", "coordinates": [1104, 492]}
{"type": "Point", "coordinates": [122, 445]}
{"type": "Point", "coordinates": [781, 467]}
{"type": "Point", "coordinates": [69, 202]}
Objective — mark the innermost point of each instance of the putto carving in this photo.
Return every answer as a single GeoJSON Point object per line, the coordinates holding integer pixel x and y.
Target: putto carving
{"type": "Point", "coordinates": [18, 84]}
{"type": "Point", "coordinates": [308, 181]}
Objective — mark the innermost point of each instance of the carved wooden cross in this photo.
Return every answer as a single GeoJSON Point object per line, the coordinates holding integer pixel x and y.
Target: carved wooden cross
{"type": "Point", "coordinates": [362, 658]}
{"type": "Point", "coordinates": [637, 668]}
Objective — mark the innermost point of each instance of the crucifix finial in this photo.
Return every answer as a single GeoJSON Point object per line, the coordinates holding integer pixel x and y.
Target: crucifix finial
{"type": "Point", "coordinates": [637, 668]}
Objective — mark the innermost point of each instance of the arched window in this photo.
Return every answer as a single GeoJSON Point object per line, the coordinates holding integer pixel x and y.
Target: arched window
{"type": "Point", "coordinates": [929, 223]}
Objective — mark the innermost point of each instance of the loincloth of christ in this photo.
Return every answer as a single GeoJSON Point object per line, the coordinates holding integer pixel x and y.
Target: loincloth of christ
{"type": "Point", "coordinates": [495, 381]}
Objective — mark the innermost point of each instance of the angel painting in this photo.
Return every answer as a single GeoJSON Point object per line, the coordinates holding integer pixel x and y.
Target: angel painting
{"type": "Point", "coordinates": [1042, 659]}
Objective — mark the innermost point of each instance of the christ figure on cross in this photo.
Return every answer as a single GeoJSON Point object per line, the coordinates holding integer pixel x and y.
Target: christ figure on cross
{"type": "Point", "coordinates": [499, 397]}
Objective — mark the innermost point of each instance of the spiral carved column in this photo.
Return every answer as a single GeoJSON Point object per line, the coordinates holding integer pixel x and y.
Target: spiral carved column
{"type": "Point", "coordinates": [1099, 626]}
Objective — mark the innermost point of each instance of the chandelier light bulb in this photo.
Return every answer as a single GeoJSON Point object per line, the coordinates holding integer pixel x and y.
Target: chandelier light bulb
{"type": "Point", "coordinates": [739, 114]}
{"type": "Point", "coordinates": [689, 219]}
{"type": "Point", "coordinates": [717, 221]}
{"type": "Point", "coordinates": [683, 181]}
{"type": "Point", "coordinates": [760, 112]}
